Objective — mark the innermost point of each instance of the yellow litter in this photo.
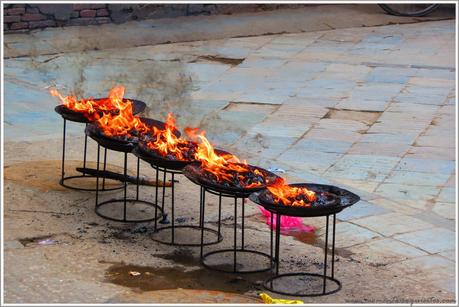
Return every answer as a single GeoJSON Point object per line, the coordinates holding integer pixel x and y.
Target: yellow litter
{"type": "Point", "coordinates": [269, 300]}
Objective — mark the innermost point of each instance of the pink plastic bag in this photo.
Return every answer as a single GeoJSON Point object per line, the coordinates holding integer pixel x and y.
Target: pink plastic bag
{"type": "Point", "coordinates": [287, 223]}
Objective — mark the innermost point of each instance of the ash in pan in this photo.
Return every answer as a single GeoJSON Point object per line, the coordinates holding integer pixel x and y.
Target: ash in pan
{"type": "Point", "coordinates": [252, 178]}
{"type": "Point", "coordinates": [184, 151]}
{"type": "Point", "coordinates": [301, 200]}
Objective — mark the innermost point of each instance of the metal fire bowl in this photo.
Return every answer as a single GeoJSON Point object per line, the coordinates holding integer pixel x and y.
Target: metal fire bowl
{"type": "Point", "coordinates": [338, 199]}
{"type": "Point", "coordinates": [74, 116]}
{"type": "Point", "coordinates": [93, 131]}
{"type": "Point", "coordinates": [143, 152]}
{"type": "Point", "coordinates": [195, 173]}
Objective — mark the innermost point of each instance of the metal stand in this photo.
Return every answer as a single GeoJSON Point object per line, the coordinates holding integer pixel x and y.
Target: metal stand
{"type": "Point", "coordinates": [63, 180]}
{"type": "Point", "coordinates": [270, 284]}
{"type": "Point", "coordinates": [235, 251]}
{"type": "Point", "coordinates": [125, 199]}
{"type": "Point", "coordinates": [173, 227]}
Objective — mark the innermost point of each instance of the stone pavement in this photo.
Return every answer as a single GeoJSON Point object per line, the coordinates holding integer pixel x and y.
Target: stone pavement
{"type": "Point", "coordinates": [371, 109]}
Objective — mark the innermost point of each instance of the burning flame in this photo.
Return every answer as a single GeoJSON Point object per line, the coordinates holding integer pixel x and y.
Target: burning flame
{"type": "Point", "coordinates": [89, 107]}
{"type": "Point", "coordinates": [291, 196]}
{"type": "Point", "coordinates": [222, 166]}
{"type": "Point", "coordinates": [124, 122]}
{"type": "Point", "coordinates": [166, 142]}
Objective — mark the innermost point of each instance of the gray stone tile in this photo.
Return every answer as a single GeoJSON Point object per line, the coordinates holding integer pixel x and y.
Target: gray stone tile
{"type": "Point", "coordinates": [425, 165]}
{"type": "Point", "coordinates": [407, 192]}
{"type": "Point", "coordinates": [447, 195]}
{"type": "Point", "coordinates": [392, 223]}
{"type": "Point", "coordinates": [445, 210]}
{"type": "Point", "coordinates": [348, 234]}
{"type": "Point", "coordinates": [432, 268]}
{"type": "Point", "coordinates": [316, 162]}
{"type": "Point", "coordinates": [417, 178]}
{"type": "Point", "coordinates": [385, 251]}
{"type": "Point", "coordinates": [361, 209]}
{"type": "Point", "coordinates": [318, 145]}
{"type": "Point", "coordinates": [363, 167]}
{"type": "Point", "coordinates": [434, 240]}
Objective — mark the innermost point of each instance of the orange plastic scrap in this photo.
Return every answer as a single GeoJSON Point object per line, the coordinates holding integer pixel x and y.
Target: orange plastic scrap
{"type": "Point", "coordinates": [269, 300]}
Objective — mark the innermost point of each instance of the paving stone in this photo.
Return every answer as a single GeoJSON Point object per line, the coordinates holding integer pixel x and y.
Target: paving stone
{"type": "Point", "coordinates": [389, 138]}
{"type": "Point", "coordinates": [205, 72]}
{"type": "Point", "coordinates": [316, 162]}
{"type": "Point", "coordinates": [390, 75]}
{"type": "Point", "coordinates": [345, 124]}
{"type": "Point", "coordinates": [400, 207]}
{"type": "Point", "coordinates": [278, 50]}
{"type": "Point", "coordinates": [422, 152]}
{"type": "Point", "coordinates": [451, 254]}
{"type": "Point", "coordinates": [431, 268]}
{"type": "Point", "coordinates": [432, 82]}
{"type": "Point", "coordinates": [362, 167]}
{"type": "Point", "coordinates": [435, 220]}
{"type": "Point", "coordinates": [432, 240]}
{"type": "Point", "coordinates": [417, 178]}
{"type": "Point", "coordinates": [358, 185]}
{"type": "Point", "coordinates": [425, 165]}
{"type": "Point", "coordinates": [264, 145]}
{"type": "Point", "coordinates": [407, 192]}
{"type": "Point", "coordinates": [317, 145]}
{"type": "Point", "coordinates": [262, 62]}
{"type": "Point", "coordinates": [447, 195]}
{"type": "Point", "coordinates": [385, 251]}
{"type": "Point", "coordinates": [363, 105]}
{"type": "Point", "coordinates": [391, 150]}
{"type": "Point", "coordinates": [392, 223]}
{"type": "Point", "coordinates": [348, 234]}
{"type": "Point", "coordinates": [361, 209]}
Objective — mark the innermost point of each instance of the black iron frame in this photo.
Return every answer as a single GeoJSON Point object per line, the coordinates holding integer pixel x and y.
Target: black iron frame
{"type": "Point", "coordinates": [268, 284]}
{"type": "Point", "coordinates": [172, 227]}
{"type": "Point", "coordinates": [125, 199]}
{"type": "Point", "coordinates": [235, 250]}
{"type": "Point", "coordinates": [63, 179]}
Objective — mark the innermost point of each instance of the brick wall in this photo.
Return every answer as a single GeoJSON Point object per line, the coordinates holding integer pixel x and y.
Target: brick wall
{"type": "Point", "coordinates": [25, 17]}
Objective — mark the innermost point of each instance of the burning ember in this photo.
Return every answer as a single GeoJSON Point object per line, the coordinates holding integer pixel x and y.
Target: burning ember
{"type": "Point", "coordinates": [291, 195]}
{"type": "Point", "coordinates": [169, 145]}
{"type": "Point", "coordinates": [123, 123]}
{"type": "Point", "coordinates": [90, 107]}
{"type": "Point", "coordinates": [226, 168]}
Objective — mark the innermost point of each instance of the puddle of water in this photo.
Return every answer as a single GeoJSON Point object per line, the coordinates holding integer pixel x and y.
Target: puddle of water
{"type": "Point", "coordinates": [304, 237]}
{"type": "Point", "coordinates": [144, 278]}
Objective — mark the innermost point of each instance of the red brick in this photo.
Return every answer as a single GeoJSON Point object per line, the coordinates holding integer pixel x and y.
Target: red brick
{"type": "Point", "coordinates": [102, 12]}
{"type": "Point", "coordinates": [42, 24]}
{"type": "Point", "coordinates": [81, 6]}
{"type": "Point", "coordinates": [15, 11]}
{"type": "Point", "coordinates": [32, 17]}
{"type": "Point", "coordinates": [19, 25]}
{"type": "Point", "coordinates": [88, 13]}
{"type": "Point", "coordinates": [9, 19]}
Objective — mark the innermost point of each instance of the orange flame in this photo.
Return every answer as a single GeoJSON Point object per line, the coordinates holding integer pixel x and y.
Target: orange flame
{"type": "Point", "coordinates": [89, 107]}
{"type": "Point", "coordinates": [167, 143]}
{"type": "Point", "coordinates": [124, 122]}
{"type": "Point", "coordinates": [288, 195]}
{"type": "Point", "coordinates": [222, 166]}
